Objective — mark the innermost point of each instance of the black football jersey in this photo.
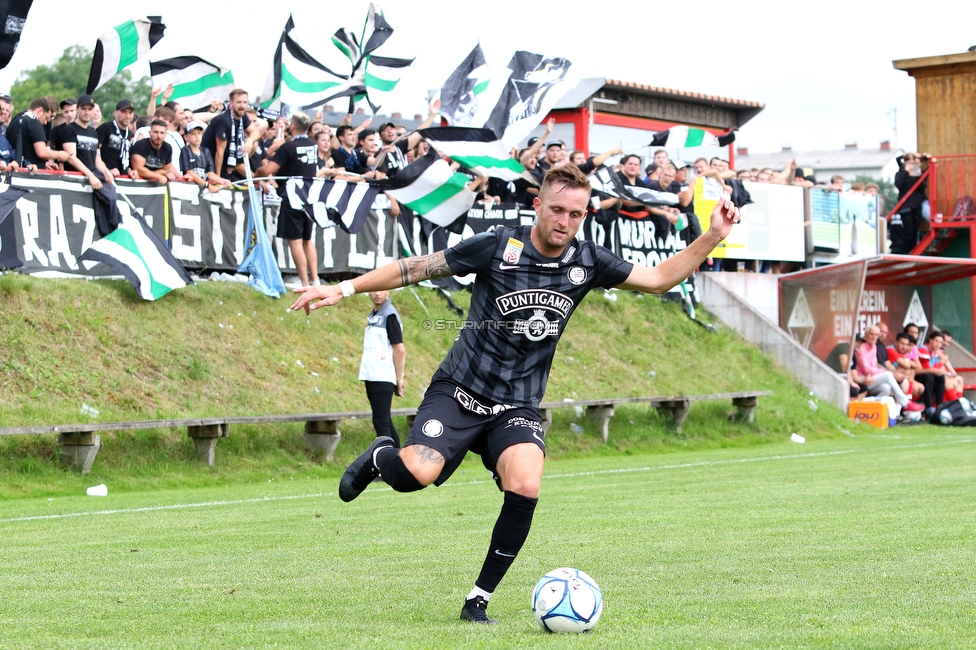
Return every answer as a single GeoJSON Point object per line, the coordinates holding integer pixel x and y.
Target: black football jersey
{"type": "Point", "coordinates": [520, 303]}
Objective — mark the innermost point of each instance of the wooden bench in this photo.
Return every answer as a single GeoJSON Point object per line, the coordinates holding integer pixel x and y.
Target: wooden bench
{"type": "Point", "coordinates": [80, 442]}
{"type": "Point", "coordinates": [674, 407]}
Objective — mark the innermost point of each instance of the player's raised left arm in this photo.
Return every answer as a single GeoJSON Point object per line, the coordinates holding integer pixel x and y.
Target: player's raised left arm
{"type": "Point", "coordinates": [392, 276]}
{"type": "Point", "coordinates": [667, 274]}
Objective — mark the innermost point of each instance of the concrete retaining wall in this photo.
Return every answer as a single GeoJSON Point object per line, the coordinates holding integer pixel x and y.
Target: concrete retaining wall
{"type": "Point", "coordinates": [737, 313]}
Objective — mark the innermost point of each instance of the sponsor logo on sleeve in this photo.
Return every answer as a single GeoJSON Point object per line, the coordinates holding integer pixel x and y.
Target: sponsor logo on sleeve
{"type": "Point", "coordinates": [513, 251]}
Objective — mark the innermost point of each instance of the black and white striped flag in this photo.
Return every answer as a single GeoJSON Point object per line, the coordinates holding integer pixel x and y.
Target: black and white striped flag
{"type": "Point", "coordinates": [331, 203]}
{"type": "Point", "coordinates": [119, 48]}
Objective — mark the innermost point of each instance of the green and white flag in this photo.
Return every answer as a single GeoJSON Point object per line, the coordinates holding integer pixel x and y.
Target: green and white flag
{"type": "Point", "coordinates": [459, 94]}
{"type": "Point", "coordinates": [135, 251]}
{"type": "Point", "coordinates": [196, 82]}
{"type": "Point", "coordinates": [372, 77]}
{"type": "Point", "coordinates": [479, 150]}
{"type": "Point", "coordinates": [380, 76]}
{"type": "Point", "coordinates": [683, 137]}
{"type": "Point", "coordinates": [121, 47]}
{"type": "Point", "coordinates": [298, 79]}
{"type": "Point", "coordinates": [430, 188]}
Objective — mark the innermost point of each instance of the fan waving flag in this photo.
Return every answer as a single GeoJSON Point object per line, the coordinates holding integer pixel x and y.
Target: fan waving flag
{"type": "Point", "coordinates": [429, 187]}
{"type": "Point", "coordinates": [196, 82]}
{"type": "Point", "coordinates": [135, 251]}
{"type": "Point", "coordinates": [684, 137]}
{"type": "Point", "coordinates": [297, 78]}
{"type": "Point", "coordinates": [479, 150]}
{"type": "Point", "coordinates": [331, 203]}
{"type": "Point", "coordinates": [121, 47]}
{"type": "Point", "coordinates": [459, 94]}
{"type": "Point", "coordinates": [380, 76]}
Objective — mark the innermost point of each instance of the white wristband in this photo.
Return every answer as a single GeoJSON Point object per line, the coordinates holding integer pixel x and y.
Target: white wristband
{"type": "Point", "coordinates": [347, 289]}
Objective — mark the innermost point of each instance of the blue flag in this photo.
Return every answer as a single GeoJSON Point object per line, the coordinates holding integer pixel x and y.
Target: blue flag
{"type": "Point", "coordinates": [259, 260]}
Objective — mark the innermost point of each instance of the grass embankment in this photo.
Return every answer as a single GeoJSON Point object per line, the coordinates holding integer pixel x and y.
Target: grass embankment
{"type": "Point", "coordinates": [219, 349]}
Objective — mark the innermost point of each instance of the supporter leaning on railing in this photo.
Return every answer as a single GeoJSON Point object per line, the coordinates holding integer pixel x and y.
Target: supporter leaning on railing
{"type": "Point", "coordinates": [904, 224]}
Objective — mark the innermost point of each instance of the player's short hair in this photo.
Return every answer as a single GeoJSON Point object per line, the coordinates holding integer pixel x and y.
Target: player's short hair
{"type": "Point", "coordinates": [623, 161]}
{"type": "Point", "coordinates": [237, 91]}
{"type": "Point", "coordinates": [670, 166]}
{"type": "Point", "coordinates": [698, 160]}
{"type": "Point", "coordinates": [932, 334]}
{"type": "Point", "coordinates": [660, 151]}
{"type": "Point", "coordinates": [300, 122]}
{"type": "Point", "coordinates": [568, 176]}
{"type": "Point", "coordinates": [342, 130]}
{"type": "Point", "coordinates": [161, 123]}
{"type": "Point", "coordinates": [837, 177]}
{"type": "Point", "coordinates": [903, 336]}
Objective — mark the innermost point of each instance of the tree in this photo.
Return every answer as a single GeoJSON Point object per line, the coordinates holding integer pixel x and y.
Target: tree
{"type": "Point", "coordinates": [68, 77]}
{"type": "Point", "coordinates": [886, 189]}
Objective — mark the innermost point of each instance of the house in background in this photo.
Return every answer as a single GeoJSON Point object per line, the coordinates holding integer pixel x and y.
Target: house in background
{"type": "Point", "coordinates": [849, 162]}
{"type": "Point", "coordinates": [601, 114]}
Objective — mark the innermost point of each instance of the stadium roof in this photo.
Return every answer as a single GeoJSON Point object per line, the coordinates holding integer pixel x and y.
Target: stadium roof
{"type": "Point", "coordinates": [745, 110]}
{"type": "Point", "coordinates": [915, 270]}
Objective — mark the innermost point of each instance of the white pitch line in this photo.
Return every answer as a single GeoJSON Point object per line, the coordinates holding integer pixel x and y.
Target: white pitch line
{"type": "Point", "coordinates": [710, 463]}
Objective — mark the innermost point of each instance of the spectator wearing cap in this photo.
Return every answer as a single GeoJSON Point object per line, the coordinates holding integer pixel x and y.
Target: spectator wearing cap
{"type": "Point", "coordinates": [26, 134]}
{"type": "Point", "coordinates": [81, 144]}
{"type": "Point", "coordinates": [652, 172]}
{"type": "Point", "coordinates": [392, 156]}
{"type": "Point", "coordinates": [800, 178]}
{"type": "Point", "coordinates": [197, 163]}
{"type": "Point", "coordinates": [555, 152]}
{"type": "Point", "coordinates": [6, 112]}
{"type": "Point", "coordinates": [115, 138]}
{"type": "Point", "coordinates": [69, 111]}
{"type": "Point", "coordinates": [534, 148]}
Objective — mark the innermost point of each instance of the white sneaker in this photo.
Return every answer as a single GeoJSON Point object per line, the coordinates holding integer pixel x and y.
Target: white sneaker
{"type": "Point", "coordinates": [316, 283]}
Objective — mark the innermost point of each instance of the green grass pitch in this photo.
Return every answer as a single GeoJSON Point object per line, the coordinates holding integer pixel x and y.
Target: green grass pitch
{"type": "Point", "coordinates": [863, 542]}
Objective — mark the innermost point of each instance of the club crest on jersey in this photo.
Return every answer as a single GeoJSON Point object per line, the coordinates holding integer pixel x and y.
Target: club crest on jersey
{"type": "Point", "coordinates": [537, 327]}
{"type": "Point", "coordinates": [432, 428]}
{"type": "Point", "coordinates": [577, 275]}
{"type": "Point", "coordinates": [513, 251]}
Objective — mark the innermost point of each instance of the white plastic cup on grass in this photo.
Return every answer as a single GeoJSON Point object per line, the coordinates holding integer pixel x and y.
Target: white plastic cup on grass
{"type": "Point", "coordinates": [97, 490]}
{"type": "Point", "coordinates": [796, 437]}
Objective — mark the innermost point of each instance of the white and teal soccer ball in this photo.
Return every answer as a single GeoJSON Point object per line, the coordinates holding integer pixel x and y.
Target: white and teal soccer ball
{"type": "Point", "coordinates": [567, 600]}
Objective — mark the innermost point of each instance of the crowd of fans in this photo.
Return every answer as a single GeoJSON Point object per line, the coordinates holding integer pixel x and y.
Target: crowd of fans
{"type": "Point", "coordinates": [210, 148]}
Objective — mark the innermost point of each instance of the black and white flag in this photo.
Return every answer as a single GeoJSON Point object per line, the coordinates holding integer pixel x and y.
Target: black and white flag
{"type": "Point", "coordinates": [534, 85]}
{"type": "Point", "coordinates": [331, 203]}
{"type": "Point", "coordinates": [459, 94]}
{"type": "Point", "coordinates": [13, 16]}
{"type": "Point", "coordinates": [607, 182]}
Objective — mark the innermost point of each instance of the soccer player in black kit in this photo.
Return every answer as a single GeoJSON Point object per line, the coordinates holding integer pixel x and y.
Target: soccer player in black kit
{"type": "Point", "coordinates": [485, 395]}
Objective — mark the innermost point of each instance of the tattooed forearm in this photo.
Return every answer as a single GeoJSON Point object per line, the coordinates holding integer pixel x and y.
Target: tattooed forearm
{"type": "Point", "coordinates": [428, 455]}
{"type": "Point", "coordinates": [428, 267]}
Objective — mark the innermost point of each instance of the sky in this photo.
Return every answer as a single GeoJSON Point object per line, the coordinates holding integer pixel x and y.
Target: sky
{"type": "Point", "coordinates": [823, 70]}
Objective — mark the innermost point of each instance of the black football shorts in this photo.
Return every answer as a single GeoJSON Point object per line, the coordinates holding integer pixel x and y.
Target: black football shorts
{"type": "Point", "coordinates": [452, 421]}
